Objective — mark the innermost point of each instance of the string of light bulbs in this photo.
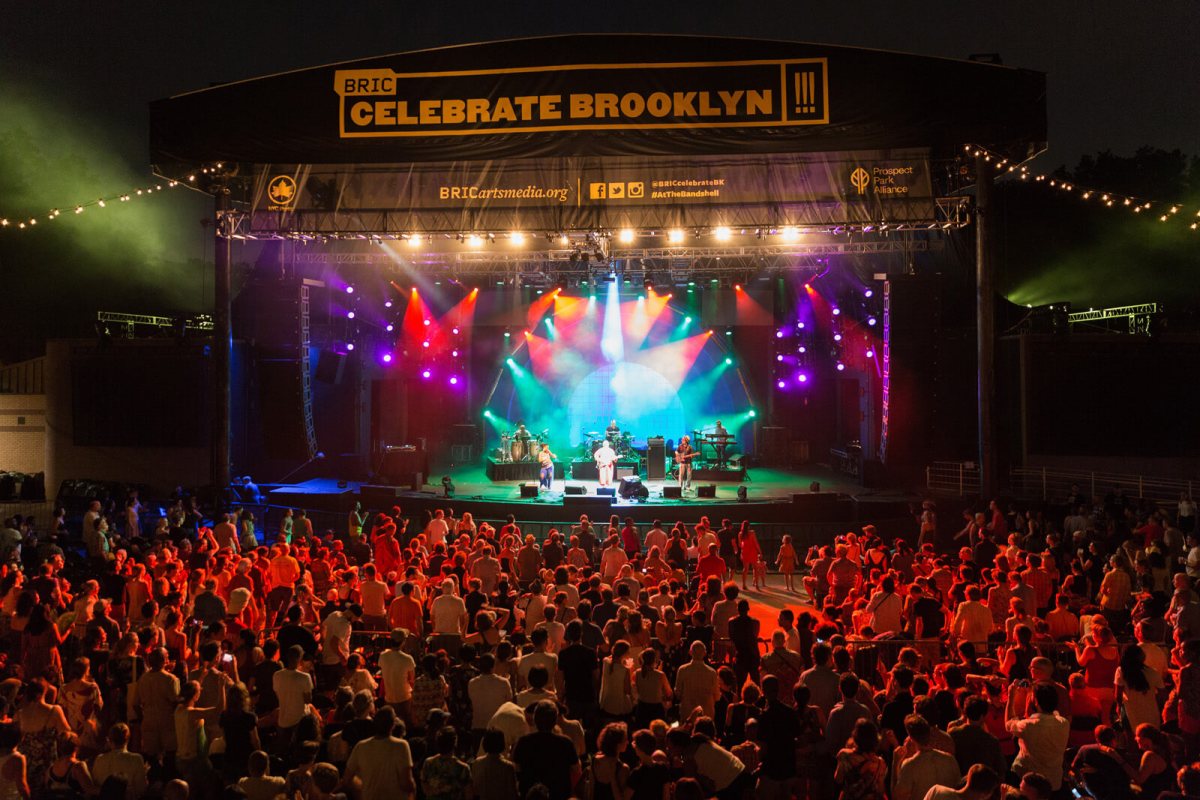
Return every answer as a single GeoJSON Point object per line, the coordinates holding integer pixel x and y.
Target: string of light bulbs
{"type": "Point", "coordinates": [1136, 205]}
{"type": "Point", "coordinates": [24, 223]}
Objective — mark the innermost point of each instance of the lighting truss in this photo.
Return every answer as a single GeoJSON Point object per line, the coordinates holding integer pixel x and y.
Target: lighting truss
{"type": "Point", "coordinates": [199, 322]}
{"type": "Point", "coordinates": [1137, 317]}
{"type": "Point", "coordinates": [389, 224]}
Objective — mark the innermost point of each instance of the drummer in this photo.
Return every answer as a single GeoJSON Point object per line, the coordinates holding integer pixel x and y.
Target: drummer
{"type": "Point", "coordinates": [613, 431]}
{"type": "Point", "coordinates": [521, 448]}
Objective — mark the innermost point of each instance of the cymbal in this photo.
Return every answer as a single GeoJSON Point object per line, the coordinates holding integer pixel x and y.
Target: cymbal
{"type": "Point", "coordinates": [593, 434]}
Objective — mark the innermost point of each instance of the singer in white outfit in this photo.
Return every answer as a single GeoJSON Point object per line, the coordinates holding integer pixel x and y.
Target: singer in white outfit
{"type": "Point", "coordinates": [605, 458]}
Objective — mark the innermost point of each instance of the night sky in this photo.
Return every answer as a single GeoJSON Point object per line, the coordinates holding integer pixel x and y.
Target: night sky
{"type": "Point", "coordinates": [1120, 74]}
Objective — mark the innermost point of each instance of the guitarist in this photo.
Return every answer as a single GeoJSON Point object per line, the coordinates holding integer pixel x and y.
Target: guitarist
{"type": "Point", "coordinates": [683, 457]}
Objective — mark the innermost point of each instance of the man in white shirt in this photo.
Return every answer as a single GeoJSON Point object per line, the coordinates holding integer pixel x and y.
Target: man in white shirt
{"type": "Point", "coordinates": [487, 569]}
{"type": "Point", "coordinates": [657, 537]}
{"type": "Point", "coordinates": [488, 692]}
{"type": "Point", "coordinates": [399, 671]}
{"type": "Point", "coordinates": [555, 630]}
{"type": "Point", "coordinates": [335, 642]}
{"type": "Point", "coordinates": [122, 763]}
{"type": "Point", "coordinates": [696, 684]}
{"type": "Point", "coordinates": [448, 612]}
{"type": "Point", "coordinates": [926, 768]}
{"type": "Point", "coordinates": [383, 763]}
{"type": "Point", "coordinates": [605, 458]}
{"type": "Point", "coordinates": [981, 784]}
{"type": "Point", "coordinates": [612, 559]}
{"type": "Point", "coordinates": [294, 689]}
{"type": "Point", "coordinates": [374, 599]}
{"type": "Point", "coordinates": [1042, 736]}
{"type": "Point", "coordinates": [540, 657]}
{"type": "Point", "coordinates": [436, 530]}
{"type": "Point", "coordinates": [972, 620]}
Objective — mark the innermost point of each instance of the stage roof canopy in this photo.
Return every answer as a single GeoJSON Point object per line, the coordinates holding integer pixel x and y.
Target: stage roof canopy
{"type": "Point", "coordinates": [600, 132]}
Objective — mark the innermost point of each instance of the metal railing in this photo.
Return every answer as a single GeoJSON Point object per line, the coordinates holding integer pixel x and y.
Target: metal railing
{"type": "Point", "coordinates": [1055, 484]}
{"type": "Point", "coordinates": [961, 478]}
{"type": "Point", "coordinates": [952, 477]}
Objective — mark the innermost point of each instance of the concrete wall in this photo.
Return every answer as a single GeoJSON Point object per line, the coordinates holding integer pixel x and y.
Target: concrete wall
{"type": "Point", "coordinates": [22, 433]}
{"type": "Point", "coordinates": [159, 467]}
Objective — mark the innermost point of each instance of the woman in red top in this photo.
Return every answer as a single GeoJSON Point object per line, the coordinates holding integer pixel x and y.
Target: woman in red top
{"type": "Point", "coordinates": [750, 552]}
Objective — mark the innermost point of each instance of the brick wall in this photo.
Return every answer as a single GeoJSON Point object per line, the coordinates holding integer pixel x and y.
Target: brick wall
{"type": "Point", "coordinates": [23, 433]}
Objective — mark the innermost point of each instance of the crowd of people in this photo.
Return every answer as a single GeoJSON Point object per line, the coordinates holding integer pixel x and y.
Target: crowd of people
{"type": "Point", "coordinates": [1030, 656]}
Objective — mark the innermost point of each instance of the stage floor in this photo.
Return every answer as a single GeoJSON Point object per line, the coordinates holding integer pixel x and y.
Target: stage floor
{"type": "Point", "coordinates": [762, 484]}
{"type": "Point", "coordinates": [770, 494]}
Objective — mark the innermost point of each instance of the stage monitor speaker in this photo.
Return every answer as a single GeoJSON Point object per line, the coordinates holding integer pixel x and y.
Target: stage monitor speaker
{"type": "Point", "coordinates": [709, 491]}
{"type": "Point", "coordinates": [330, 366]}
{"type": "Point", "coordinates": [629, 486]}
{"type": "Point", "coordinates": [587, 505]}
{"type": "Point", "coordinates": [656, 459]}
{"type": "Point", "coordinates": [672, 493]}
{"type": "Point", "coordinates": [606, 491]}
{"type": "Point", "coordinates": [574, 489]}
{"type": "Point", "coordinates": [529, 490]}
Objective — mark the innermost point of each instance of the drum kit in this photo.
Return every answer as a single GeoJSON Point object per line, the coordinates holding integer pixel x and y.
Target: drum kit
{"type": "Point", "coordinates": [592, 441]}
{"type": "Point", "coordinates": [515, 447]}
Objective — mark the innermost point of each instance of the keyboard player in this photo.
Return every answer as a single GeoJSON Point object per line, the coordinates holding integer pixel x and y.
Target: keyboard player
{"type": "Point", "coordinates": [720, 439]}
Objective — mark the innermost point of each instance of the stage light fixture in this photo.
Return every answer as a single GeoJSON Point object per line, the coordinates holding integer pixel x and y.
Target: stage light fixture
{"type": "Point", "coordinates": [426, 373]}
{"type": "Point", "coordinates": [675, 236]}
{"type": "Point", "coordinates": [387, 358]}
{"type": "Point", "coordinates": [349, 346]}
{"type": "Point", "coordinates": [841, 367]}
{"type": "Point", "coordinates": [800, 325]}
{"type": "Point", "coordinates": [517, 238]}
{"type": "Point", "coordinates": [349, 315]}
{"type": "Point", "coordinates": [474, 241]}
{"type": "Point", "coordinates": [387, 303]}
{"type": "Point", "coordinates": [837, 312]}
{"type": "Point", "coordinates": [414, 240]}
{"type": "Point", "coordinates": [425, 344]}
{"type": "Point", "coordinates": [722, 234]}
{"type": "Point", "coordinates": [453, 380]}
{"type": "Point", "coordinates": [751, 413]}
{"type": "Point", "coordinates": [564, 240]}
{"type": "Point", "coordinates": [868, 293]}
{"type": "Point", "coordinates": [801, 349]}
{"type": "Point", "coordinates": [837, 337]}
{"type": "Point", "coordinates": [728, 361]}
{"type": "Point", "coordinates": [802, 378]}
{"type": "Point", "coordinates": [427, 323]}
{"type": "Point", "coordinates": [454, 331]}
{"type": "Point", "coordinates": [454, 354]}
{"type": "Point", "coordinates": [349, 290]}
{"type": "Point", "coordinates": [871, 321]}
{"type": "Point", "coordinates": [779, 334]}
{"type": "Point", "coordinates": [790, 234]}
{"type": "Point", "coordinates": [780, 384]}
{"type": "Point", "coordinates": [626, 236]}
{"type": "Point", "coordinates": [870, 353]}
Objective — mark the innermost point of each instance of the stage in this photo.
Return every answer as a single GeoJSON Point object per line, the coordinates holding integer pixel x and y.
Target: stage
{"type": "Point", "coordinates": [777, 501]}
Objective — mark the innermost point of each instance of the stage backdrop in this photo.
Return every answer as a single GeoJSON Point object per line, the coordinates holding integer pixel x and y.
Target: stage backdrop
{"type": "Point", "coordinates": [641, 359]}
